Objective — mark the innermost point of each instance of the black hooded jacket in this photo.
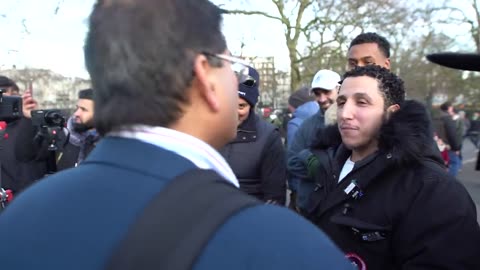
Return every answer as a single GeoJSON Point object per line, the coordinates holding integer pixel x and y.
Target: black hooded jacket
{"type": "Point", "coordinates": [397, 208]}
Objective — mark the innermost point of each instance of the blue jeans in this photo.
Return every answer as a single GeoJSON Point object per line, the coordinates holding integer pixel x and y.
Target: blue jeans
{"type": "Point", "coordinates": [454, 164]}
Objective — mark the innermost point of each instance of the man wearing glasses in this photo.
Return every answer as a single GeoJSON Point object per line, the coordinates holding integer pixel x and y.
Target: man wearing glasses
{"type": "Point", "coordinates": [166, 97]}
{"type": "Point", "coordinates": [256, 155]}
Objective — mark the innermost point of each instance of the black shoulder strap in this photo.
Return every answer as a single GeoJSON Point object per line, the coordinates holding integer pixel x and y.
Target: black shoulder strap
{"type": "Point", "coordinates": [177, 224]}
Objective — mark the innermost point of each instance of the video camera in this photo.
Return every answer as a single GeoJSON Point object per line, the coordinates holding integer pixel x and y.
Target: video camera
{"type": "Point", "coordinates": [10, 106]}
{"type": "Point", "coordinates": [50, 124]}
{"type": "Point", "coordinates": [48, 118]}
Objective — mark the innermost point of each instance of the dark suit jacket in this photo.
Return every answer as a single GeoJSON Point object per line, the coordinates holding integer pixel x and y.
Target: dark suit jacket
{"type": "Point", "coordinates": [75, 218]}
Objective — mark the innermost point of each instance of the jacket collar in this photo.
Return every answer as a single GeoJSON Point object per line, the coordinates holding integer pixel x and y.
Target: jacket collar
{"type": "Point", "coordinates": [135, 155]}
{"type": "Point", "coordinates": [247, 131]}
{"type": "Point", "coordinates": [406, 138]}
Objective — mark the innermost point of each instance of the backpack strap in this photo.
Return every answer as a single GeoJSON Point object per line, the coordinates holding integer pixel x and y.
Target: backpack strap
{"type": "Point", "coordinates": [177, 224]}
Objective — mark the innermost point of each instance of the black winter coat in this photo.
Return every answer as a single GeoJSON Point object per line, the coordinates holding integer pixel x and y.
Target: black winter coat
{"type": "Point", "coordinates": [446, 129]}
{"type": "Point", "coordinates": [17, 174]}
{"type": "Point", "coordinates": [257, 158]}
{"type": "Point", "coordinates": [398, 208]}
{"type": "Point", "coordinates": [28, 148]}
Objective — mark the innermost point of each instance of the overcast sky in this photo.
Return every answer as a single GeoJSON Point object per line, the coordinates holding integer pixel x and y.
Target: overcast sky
{"type": "Point", "coordinates": [53, 39]}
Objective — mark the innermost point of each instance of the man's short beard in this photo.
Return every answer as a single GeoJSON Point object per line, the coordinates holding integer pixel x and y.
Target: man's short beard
{"type": "Point", "coordinates": [81, 127]}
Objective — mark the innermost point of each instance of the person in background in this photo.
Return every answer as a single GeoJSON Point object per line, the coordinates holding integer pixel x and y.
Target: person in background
{"type": "Point", "coordinates": [256, 155]}
{"type": "Point", "coordinates": [80, 136]}
{"type": "Point", "coordinates": [17, 174]}
{"type": "Point", "coordinates": [446, 129]}
{"type": "Point", "coordinates": [302, 106]}
{"type": "Point", "coordinates": [324, 88]}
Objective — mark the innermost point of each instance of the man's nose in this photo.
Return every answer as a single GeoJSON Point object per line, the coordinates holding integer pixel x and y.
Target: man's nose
{"type": "Point", "coordinates": [345, 111]}
{"type": "Point", "coordinates": [322, 97]}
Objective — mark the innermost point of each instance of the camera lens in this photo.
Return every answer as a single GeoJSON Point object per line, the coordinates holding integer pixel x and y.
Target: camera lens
{"type": "Point", "coordinates": [54, 118]}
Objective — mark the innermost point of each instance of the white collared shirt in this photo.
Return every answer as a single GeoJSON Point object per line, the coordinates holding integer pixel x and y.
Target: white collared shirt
{"type": "Point", "coordinates": [197, 151]}
{"type": "Point", "coordinates": [347, 168]}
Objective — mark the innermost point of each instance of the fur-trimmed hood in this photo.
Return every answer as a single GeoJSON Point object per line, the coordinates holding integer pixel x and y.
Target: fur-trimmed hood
{"type": "Point", "coordinates": [407, 136]}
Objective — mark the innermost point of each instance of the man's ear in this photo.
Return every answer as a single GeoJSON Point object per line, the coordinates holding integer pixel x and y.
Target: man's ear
{"type": "Point", "coordinates": [392, 109]}
{"type": "Point", "coordinates": [204, 82]}
{"type": "Point", "coordinates": [387, 63]}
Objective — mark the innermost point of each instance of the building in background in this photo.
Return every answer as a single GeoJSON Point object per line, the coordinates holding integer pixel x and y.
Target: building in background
{"type": "Point", "coordinates": [274, 84]}
{"type": "Point", "coordinates": [51, 90]}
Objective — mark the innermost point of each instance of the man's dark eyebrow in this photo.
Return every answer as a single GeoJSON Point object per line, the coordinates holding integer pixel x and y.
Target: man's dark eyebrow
{"type": "Point", "coordinates": [362, 95]}
{"type": "Point", "coordinates": [367, 58]}
{"type": "Point", "coordinates": [356, 96]}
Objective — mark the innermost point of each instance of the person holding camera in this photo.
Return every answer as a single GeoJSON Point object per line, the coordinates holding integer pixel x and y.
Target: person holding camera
{"type": "Point", "coordinates": [72, 146]}
{"type": "Point", "coordinates": [16, 174]}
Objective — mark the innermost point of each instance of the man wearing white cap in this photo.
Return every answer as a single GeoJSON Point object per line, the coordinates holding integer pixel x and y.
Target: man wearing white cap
{"type": "Point", "coordinates": [324, 86]}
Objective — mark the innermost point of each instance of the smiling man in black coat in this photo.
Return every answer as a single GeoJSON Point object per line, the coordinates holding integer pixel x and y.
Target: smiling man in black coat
{"type": "Point", "coordinates": [382, 194]}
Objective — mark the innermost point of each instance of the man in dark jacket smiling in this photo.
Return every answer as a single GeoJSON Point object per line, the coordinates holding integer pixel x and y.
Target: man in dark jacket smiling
{"type": "Point", "coordinates": [381, 194]}
{"type": "Point", "coordinates": [256, 155]}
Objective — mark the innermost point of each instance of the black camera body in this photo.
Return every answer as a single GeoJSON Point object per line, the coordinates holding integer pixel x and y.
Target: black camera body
{"type": "Point", "coordinates": [10, 107]}
{"type": "Point", "coordinates": [48, 118]}
{"type": "Point", "coordinates": [50, 125]}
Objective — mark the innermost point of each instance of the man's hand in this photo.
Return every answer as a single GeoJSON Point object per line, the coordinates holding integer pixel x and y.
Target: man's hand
{"type": "Point", "coordinates": [28, 104]}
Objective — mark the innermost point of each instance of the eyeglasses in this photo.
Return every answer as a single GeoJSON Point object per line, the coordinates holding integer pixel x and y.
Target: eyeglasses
{"type": "Point", "coordinates": [239, 66]}
{"type": "Point", "coordinates": [250, 81]}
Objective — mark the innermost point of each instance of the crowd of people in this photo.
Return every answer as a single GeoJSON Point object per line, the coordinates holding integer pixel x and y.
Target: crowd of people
{"type": "Point", "coordinates": [166, 164]}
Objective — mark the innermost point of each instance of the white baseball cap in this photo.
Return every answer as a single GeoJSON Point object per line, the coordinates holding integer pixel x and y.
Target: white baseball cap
{"type": "Point", "coordinates": [325, 79]}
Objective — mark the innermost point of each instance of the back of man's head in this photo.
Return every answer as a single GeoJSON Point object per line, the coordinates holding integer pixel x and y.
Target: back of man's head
{"type": "Point", "coordinates": [140, 56]}
{"type": "Point", "coordinates": [9, 86]}
{"type": "Point", "coordinates": [445, 106]}
{"type": "Point", "coordinates": [371, 37]}
{"type": "Point", "coordinates": [5, 81]}
{"type": "Point", "coordinates": [300, 97]}
{"type": "Point", "coordinates": [390, 85]}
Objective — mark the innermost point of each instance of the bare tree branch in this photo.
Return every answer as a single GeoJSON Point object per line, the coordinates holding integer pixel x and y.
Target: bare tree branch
{"type": "Point", "coordinates": [246, 12]}
{"type": "Point", "coordinates": [24, 24]}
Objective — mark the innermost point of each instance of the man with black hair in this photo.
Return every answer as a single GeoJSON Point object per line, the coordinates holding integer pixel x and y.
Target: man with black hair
{"type": "Point", "coordinates": [9, 87]}
{"type": "Point", "coordinates": [365, 49]}
{"type": "Point", "coordinates": [369, 49]}
{"type": "Point", "coordinates": [446, 129]}
{"type": "Point", "coordinates": [75, 144]}
{"type": "Point", "coordinates": [16, 174]}
{"type": "Point", "coordinates": [83, 135]}
{"type": "Point", "coordinates": [462, 61]}
{"type": "Point", "coordinates": [381, 194]}
{"type": "Point", "coordinates": [166, 97]}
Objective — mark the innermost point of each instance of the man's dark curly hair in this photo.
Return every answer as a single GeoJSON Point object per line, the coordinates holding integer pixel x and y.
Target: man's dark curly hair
{"type": "Point", "coordinates": [389, 84]}
{"type": "Point", "coordinates": [370, 37]}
